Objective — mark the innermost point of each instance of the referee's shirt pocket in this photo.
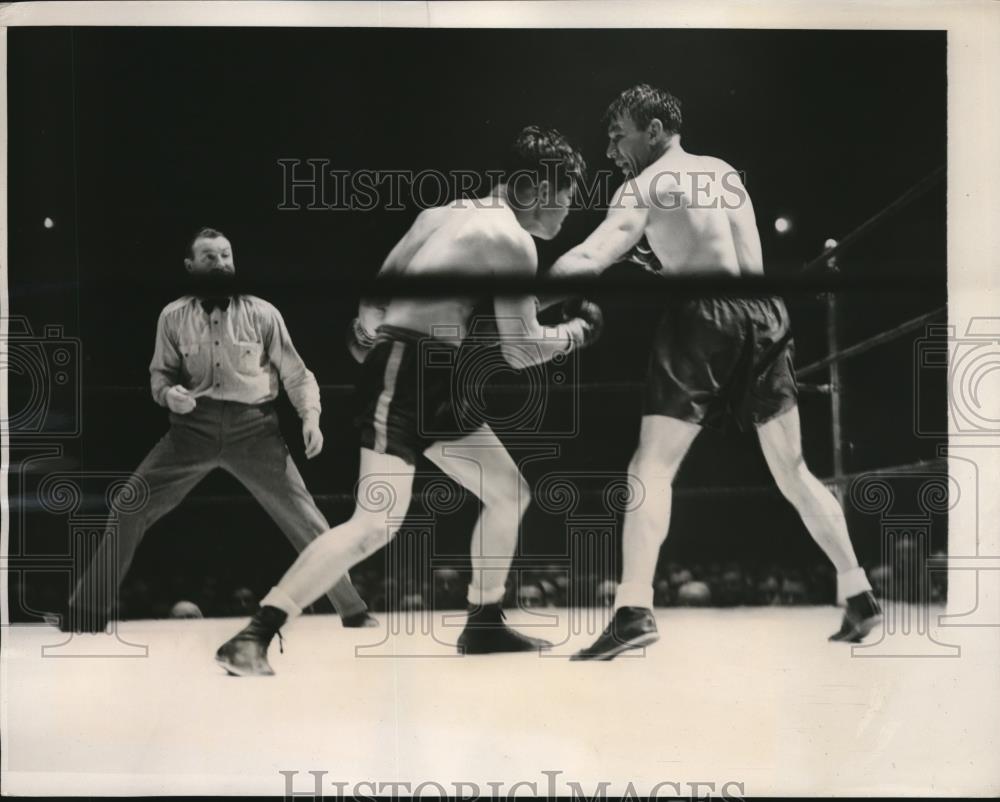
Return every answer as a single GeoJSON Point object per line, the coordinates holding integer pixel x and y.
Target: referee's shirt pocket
{"type": "Point", "coordinates": [247, 358]}
{"type": "Point", "coordinates": [194, 358]}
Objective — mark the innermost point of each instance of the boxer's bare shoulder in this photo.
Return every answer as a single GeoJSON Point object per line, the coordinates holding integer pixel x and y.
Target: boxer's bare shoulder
{"type": "Point", "coordinates": [679, 180]}
{"type": "Point", "coordinates": [702, 163]}
{"type": "Point", "coordinates": [482, 237]}
{"type": "Point", "coordinates": [657, 188]}
{"type": "Point", "coordinates": [687, 225]}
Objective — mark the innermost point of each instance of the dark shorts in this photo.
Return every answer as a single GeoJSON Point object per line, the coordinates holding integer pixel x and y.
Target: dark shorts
{"type": "Point", "coordinates": [408, 397]}
{"type": "Point", "coordinates": [719, 358]}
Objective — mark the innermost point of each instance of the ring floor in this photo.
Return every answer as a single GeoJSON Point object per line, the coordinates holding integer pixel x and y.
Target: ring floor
{"type": "Point", "coordinates": [753, 697]}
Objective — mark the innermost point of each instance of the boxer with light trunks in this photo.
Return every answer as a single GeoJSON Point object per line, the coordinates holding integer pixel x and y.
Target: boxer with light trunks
{"type": "Point", "coordinates": [682, 214]}
{"type": "Point", "coordinates": [489, 236]}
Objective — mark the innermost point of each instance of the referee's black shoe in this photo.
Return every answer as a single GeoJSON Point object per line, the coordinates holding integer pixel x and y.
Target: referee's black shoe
{"type": "Point", "coordinates": [486, 633]}
{"type": "Point", "coordinates": [245, 654]}
{"type": "Point", "coordinates": [631, 628]}
{"type": "Point", "coordinates": [862, 615]}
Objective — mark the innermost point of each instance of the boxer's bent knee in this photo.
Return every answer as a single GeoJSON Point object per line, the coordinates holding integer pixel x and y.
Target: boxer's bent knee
{"type": "Point", "coordinates": [513, 498]}
{"type": "Point", "coordinates": [368, 534]}
{"type": "Point", "coordinates": [649, 464]}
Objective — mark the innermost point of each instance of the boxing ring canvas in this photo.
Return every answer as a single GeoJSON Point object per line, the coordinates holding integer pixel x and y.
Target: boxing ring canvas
{"type": "Point", "coordinates": [314, 136]}
{"type": "Point", "coordinates": [741, 699]}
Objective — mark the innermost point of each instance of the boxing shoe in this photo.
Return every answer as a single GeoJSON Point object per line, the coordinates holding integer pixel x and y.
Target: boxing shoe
{"type": "Point", "coordinates": [486, 633]}
{"type": "Point", "coordinates": [245, 654]}
{"type": "Point", "coordinates": [359, 620]}
{"type": "Point", "coordinates": [862, 615]}
{"type": "Point", "coordinates": [631, 628]}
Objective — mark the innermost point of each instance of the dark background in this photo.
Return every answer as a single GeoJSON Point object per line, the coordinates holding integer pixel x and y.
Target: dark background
{"type": "Point", "coordinates": [131, 139]}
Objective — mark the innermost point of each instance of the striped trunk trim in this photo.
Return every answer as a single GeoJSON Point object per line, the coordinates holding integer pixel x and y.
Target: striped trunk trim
{"type": "Point", "coordinates": [385, 398]}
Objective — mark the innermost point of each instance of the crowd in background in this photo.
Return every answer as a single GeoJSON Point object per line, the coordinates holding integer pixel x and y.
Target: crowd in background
{"type": "Point", "coordinates": [700, 584]}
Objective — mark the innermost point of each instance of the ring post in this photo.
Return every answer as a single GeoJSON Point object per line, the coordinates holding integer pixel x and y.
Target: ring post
{"type": "Point", "coordinates": [836, 389]}
{"type": "Point", "coordinates": [836, 428]}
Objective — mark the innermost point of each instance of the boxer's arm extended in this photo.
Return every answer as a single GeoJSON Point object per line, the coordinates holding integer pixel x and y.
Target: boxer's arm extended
{"type": "Point", "coordinates": [612, 239]}
{"type": "Point", "coordinates": [743, 224]}
{"type": "Point", "coordinates": [523, 340]}
{"type": "Point", "coordinates": [623, 227]}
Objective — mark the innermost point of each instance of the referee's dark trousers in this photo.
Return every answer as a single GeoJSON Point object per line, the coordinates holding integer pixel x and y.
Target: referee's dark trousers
{"type": "Point", "coordinates": [243, 439]}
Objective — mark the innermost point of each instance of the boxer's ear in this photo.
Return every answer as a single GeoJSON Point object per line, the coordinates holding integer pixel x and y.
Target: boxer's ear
{"type": "Point", "coordinates": [655, 128]}
{"type": "Point", "coordinates": [542, 190]}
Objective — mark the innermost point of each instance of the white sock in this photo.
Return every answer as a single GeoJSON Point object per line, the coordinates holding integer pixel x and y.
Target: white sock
{"type": "Point", "coordinates": [477, 595]}
{"type": "Point", "coordinates": [851, 583]}
{"type": "Point", "coordinates": [276, 597]}
{"type": "Point", "coordinates": [632, 594]}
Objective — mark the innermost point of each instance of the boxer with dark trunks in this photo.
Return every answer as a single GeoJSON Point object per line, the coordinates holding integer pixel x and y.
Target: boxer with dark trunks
{"type": "Point", "coordinates": [682, 214]}
{"type": "Point", "coordinates": [407, 409]}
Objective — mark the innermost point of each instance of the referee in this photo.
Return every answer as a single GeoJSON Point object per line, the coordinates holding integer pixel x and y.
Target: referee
{"type": "Point", "coordinates": [218, 359]}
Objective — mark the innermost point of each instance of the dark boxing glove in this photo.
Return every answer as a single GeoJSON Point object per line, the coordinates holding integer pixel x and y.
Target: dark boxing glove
{"type": "Point", "coordinates": [643, 255]}
{"type": "Point", "coordinates": [584, 322]}
{"type": "Point", "coordinates": [359, 340]}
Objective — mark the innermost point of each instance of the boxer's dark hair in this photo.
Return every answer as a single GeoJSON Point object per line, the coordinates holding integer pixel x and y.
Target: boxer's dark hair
{"type": "Point", "coordinates": [203, 233]}
{"type": "Point", "coordinates": [544, 153]}
{"type": "Point", "coordinates": [644, 103]}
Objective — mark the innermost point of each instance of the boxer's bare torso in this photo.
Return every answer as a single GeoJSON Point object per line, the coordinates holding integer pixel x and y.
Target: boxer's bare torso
{"type": "Point", "coordinates": [693, 212]}
{"type": "Point", "coordinates": [688, 227]}
{"type": "Point", "coordinates": [465, 238]}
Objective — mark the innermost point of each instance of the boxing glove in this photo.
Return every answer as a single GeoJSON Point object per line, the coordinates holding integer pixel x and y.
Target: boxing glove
{"type": "Point", "coordinates": [584, 322]}
{"type": "Point", "coordinates": [359, 340]}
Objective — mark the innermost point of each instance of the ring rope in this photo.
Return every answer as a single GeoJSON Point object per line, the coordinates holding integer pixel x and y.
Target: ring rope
{"type": "Point", "coordinates": [932, 465]}
{"type": "Point", "coordinates": [845, 353]}
{"type": "Point", "coordinates": [866, 345]}
{"type": "Point", "coordinates": [347, 389]}
{"type": "Point", "coordinates": [634, 283]}
{"type": "Point", "coordinates": [918, 190]}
